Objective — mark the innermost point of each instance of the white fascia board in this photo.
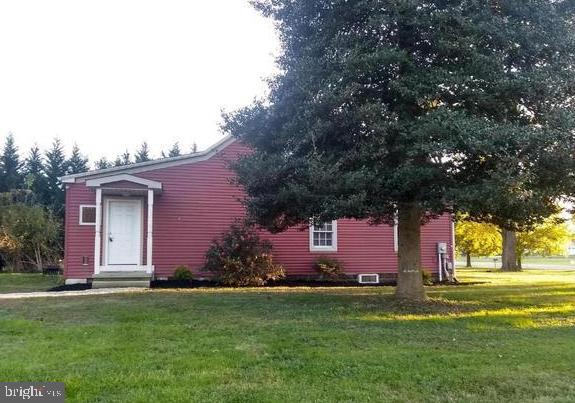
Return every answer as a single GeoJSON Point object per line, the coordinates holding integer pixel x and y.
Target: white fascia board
{"type": "Point", "coordinates": [124, 177]}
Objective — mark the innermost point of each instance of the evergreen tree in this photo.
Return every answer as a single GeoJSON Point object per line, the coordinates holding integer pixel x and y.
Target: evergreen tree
{"type": "Point", "coordinates": [11, 177]}
{"type": "Point", "coordinates": [194, 147]}
{"type": "Point", "coordinates": [126, 158]}
{"type": "Point", "coordinates": [175, 150]}
{"type": "Point", "coordinates": [77, 162]}
{"type": "Point", "coordinates": [103, 163]}
{"type": "Point", "coordinates": [34, 179]}
{"type": "Point", "coordinates": [143, 154]}
{"type": "Point", "coordinates": [54, 168]}
{"type": "Point", "coordinates": [406, 110]}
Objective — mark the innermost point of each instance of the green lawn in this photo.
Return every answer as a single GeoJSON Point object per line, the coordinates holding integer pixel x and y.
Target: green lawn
{"type": "Point", "coordinates": [527, 260]}
{"type": "Point", "coordinates": [511, 338]}
{"type": "Point", "coordinates": [26, 282]}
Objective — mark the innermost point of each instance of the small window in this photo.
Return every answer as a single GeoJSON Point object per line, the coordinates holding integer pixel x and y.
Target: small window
{"type": "Point", "coordinates": [323, 237]}
{"type": "Point", "coordinates": [87, 215]}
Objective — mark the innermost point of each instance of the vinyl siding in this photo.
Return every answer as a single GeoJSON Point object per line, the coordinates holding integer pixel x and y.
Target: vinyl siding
{"type": "Point", "coordinates": [198, 203]}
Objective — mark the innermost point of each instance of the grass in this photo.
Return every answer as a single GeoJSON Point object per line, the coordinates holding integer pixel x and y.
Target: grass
{"type": "Point", "coordinates": [27, 282]}
{"type": "Point", "coordinates": [538, 260]}
{"type": "Point", "coordinates": [511, 338]}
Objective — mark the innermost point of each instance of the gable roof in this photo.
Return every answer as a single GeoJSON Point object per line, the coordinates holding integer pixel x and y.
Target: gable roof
{"type": "Point", "coordinates": [151, 165]}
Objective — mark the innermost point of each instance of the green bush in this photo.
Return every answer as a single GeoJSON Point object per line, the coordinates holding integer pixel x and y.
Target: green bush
{"type": "Point", "coordinates": [182, 273]}
{"type": "Point", "coordinates": [240, 258]}
{"type": "Point", "coordinates": [328, 267]}
{"type": "Point", "coordinates": [427, 277]}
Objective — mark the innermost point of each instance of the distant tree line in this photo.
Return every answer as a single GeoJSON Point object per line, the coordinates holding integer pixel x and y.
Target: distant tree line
{"type": "Point", "coordinates": [32, 198]}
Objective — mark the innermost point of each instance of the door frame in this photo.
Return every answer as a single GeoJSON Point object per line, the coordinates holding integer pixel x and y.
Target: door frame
{"type": "Point", "coordinates": [105, 217]}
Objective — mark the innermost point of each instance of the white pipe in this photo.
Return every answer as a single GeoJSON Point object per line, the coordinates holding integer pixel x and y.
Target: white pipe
{"type": "Point", "coordinates": [440, 267]}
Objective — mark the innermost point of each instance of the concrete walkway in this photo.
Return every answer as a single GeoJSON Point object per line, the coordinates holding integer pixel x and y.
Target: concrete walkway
{"type": "Point", "coordinates": [49, 294]}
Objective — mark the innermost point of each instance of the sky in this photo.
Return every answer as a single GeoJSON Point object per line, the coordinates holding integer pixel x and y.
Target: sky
{"type": "Point", "coordinates": [110, 74]}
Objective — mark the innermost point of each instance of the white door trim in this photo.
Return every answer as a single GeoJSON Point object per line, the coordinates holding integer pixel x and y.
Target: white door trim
{"type": "Point", "coordinates": [105, 265]}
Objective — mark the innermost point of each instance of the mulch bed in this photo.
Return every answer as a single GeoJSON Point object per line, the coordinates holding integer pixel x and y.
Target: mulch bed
{"type": "Point", "coordinates": [292, 283]}
{"type": "Point", "coordinates": [71, 287]}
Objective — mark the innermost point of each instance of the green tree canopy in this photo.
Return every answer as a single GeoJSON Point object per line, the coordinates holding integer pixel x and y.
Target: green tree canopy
{"type": "Point", "coordinates": [33, 169]}
{"type": "Point", "coordinates": [547, 239]}
{"type": "Point", "coordinates": [103, 163]}
{"type": "Point", "coordinates": [124, 159]}
{"type": "Point", "coordinates": [175, 150]}
{"type": "Point", "coordinates": [477, 239]}
{"type": "Point", "coordinates": [29, 234]}
{"type": "Point", "coordinates": [143, 153]}
{"type": "Point", "coordinates": [10, 165]}
{"type": "Point", "coordinates": [77, 162]}
{"type": "Point", "coordinates": [54, 169]}
{"type": "Point", "coordinates": [412, 109]}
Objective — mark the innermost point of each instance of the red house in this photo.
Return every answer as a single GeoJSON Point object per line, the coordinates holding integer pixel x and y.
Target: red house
{"type": "Point", "coordinates": [138, 222]}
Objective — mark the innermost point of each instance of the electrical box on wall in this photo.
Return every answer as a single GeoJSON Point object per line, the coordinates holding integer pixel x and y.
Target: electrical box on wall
{"type": "Point", "coordinates": [442, 247]}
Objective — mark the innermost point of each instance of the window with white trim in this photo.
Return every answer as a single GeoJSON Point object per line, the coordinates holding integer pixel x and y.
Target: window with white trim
{"type": "Point", "coordinates": [87, 215]}
{"type": "Point", "coordinates": [323, 237]}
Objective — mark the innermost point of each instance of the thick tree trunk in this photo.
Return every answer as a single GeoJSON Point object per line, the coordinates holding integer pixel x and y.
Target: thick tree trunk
{"type": "Point", "coordinates": [409, 279]}
{"type": "Point", "coordinates": [468, 259]}
{"type": "Point", "coordinates": [509, 257]}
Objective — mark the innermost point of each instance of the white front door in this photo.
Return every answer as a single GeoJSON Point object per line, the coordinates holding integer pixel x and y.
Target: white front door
{"type": "Point", "coordinates": [124, 232]}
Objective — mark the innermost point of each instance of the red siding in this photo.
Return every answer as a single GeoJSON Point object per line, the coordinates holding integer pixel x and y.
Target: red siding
{"type": "Point", "coordinates": [198, 203]}
{"type": "Point", "coordinates": [79, 239]}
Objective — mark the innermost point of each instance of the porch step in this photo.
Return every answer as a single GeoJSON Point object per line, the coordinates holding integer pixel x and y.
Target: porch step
{"type": "Point", "coordinates": [120, 284]}
{"type": "Point", "coordinates": [121, 279]}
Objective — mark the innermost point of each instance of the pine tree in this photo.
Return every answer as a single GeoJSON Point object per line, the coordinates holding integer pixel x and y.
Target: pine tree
{"type": "Point", "coordinates": [194, 147]}
{"type": "Point", "coordinates": [10, 164]}
{"type": "Point", "coordinates": [77, 162]}
{"type": "Point", "coordinates": [406, 110]}
{"type": "Point", "coordinates": [102, 163]}
{"type": "Point", "coordinates": [54, 168]}
{"type": "Point", "coordinates": [34, 179]}
{"type": "Point", "coordinates": [175, 150]}
{"type": "Point", "coordinates": [143, 154]}
{"type": "Point", "coordinates": [126, 158]}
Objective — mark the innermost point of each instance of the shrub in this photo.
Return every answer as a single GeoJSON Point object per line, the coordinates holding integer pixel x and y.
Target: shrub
{"type": "Point", "coordinates": [240, 258]}
{"type": "Point", "coordinates": [328, 267]}
{"type": "Point", "coordinates": [182, 273]}
{"type": "Point", "coordinates": [427, 277]}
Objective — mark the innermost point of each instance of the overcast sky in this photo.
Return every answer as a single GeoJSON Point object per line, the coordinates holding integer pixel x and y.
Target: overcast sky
{"type": "Point", "coordinates": [109, 74]}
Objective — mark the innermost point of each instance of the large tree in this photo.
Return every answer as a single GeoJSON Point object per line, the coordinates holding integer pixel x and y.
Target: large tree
{"type": "Point", "coordinates": [143, 153]}
{"type": "Point", "coordinates": [173, 152]}
{"type": "Point", "coordinates": [124, 159]}
{"type": "Point", "coordinates": [550, 238]}
{"type": "Point", "coordinates": [10, 165]}
{"type": "Point", "coordinates": [54, 168]}
{"type": "Point", "coordinates": [476, 239]}
{"type": "Point", "coordinates": [34, 179]}
{"type": "Point", "coordinates": [77, 162]}
{"type": "Point", "coordinates": [408, 109]}
{"type": "Point", "coordinates": [103, 163]}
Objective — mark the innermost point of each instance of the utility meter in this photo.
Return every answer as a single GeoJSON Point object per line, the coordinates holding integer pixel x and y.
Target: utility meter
{"type": "Point", "coordinates": [442, 247]}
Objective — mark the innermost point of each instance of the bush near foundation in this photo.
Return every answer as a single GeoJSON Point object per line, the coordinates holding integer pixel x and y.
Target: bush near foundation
{"type": "Point", "coordinates": [240, 258]}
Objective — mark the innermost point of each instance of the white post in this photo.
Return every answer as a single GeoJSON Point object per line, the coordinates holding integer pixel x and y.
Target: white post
{"type": "Point", "coordinates": [453, 246]}
{"type": "Point", "coordinates": [98, 237]}
{"type": "Point", "coordinates": [149, 238]}
{"type": "Point", "coordinates": [395, 236]}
